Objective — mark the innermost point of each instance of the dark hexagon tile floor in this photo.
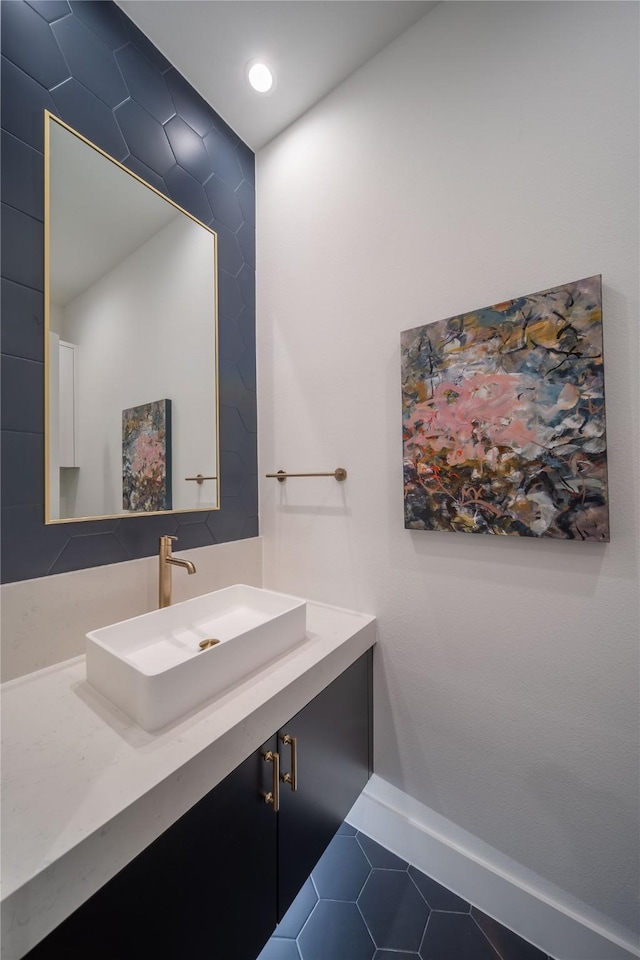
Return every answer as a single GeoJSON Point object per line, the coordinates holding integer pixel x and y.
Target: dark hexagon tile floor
{"type": "Point", "coordinates": [393, 910]}
{"type": "Point", "coordinates": [342, 871]}
{"type": "Point", "coordinates": [362, 902]}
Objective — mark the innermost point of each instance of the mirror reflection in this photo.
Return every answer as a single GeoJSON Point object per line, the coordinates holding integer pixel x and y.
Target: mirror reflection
{"type": "Point", "coordinates": [131, 328]}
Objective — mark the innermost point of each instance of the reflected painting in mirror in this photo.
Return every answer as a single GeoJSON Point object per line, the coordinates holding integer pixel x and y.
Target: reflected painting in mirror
{"type": "Point", "coordinates": [146, 457]}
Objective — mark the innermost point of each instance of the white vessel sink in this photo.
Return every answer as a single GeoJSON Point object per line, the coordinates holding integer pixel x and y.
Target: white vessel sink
{"type": "Point", "coordinates": [153, 668]}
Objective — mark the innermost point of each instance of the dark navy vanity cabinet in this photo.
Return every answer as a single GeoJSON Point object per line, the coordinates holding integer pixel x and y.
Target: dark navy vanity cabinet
{"type": "Point", "coordinates": [335, 760]}
{"type": "Point", "coordinates": [215, 884]}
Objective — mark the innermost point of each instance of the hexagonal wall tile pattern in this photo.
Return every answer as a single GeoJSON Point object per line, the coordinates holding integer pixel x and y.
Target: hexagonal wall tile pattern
{"type": "Point", "coordinates": [90, 65]}
{"type": "Point", "coordinates": [362, 902]}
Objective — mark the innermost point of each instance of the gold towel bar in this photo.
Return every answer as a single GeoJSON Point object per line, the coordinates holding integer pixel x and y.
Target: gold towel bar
{"type": "Point", "coordinates": [339, 473]}
{"type": "Point", "coordinates": [199, 478]}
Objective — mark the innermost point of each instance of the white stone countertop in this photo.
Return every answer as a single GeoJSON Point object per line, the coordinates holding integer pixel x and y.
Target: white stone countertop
{"type": "Point", "coordinates": [85, 790]}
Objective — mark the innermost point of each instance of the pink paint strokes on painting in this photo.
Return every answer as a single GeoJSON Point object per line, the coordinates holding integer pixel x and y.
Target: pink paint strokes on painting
{"type": "Point", "coordinates": [146, 457]}
{"type": "Point", "coordinates": [504, 418]}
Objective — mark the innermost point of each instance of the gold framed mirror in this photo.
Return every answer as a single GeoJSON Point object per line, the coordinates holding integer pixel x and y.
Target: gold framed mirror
{"type": "Point", "coordinates": [131, 342]}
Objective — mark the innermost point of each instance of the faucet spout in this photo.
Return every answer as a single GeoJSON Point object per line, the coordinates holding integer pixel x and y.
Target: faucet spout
{"type": "Point", "coordinates": [167, 560]}
{"type": "Point", "coordinates": [187, 564]}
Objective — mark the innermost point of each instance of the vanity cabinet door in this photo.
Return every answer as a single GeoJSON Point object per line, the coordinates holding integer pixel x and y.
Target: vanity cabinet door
{"type": "Point", "coordinates": [334, 762]}
{"type": "Point", "coordinates": [206, 888]}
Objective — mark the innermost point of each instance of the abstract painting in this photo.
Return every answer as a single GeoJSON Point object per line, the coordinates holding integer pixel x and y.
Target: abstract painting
{"type": "Point", "coordinates": [146, 457]}
{"type": "Point", "coordinates": [504, 418]}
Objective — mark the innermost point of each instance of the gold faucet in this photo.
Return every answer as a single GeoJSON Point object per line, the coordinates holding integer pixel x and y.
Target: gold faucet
{"type": "Point", "coordinates": [166, 562]}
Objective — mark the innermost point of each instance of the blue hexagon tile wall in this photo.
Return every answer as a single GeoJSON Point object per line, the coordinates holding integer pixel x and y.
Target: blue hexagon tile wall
{"type": "Point", "coordinates": [87, 63]}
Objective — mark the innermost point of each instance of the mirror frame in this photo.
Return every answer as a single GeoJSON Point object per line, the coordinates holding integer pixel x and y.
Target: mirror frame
{"type": "Point", "coordinates": [48, 117]}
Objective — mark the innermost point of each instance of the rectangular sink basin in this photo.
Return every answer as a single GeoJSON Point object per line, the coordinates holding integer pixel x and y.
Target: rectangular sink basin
{"type": "Point", "coordinates": [152, 666]}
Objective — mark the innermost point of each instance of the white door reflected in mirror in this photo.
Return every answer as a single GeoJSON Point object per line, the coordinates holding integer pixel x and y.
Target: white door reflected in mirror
{"type": "Point", "coordinates": [131, 360]}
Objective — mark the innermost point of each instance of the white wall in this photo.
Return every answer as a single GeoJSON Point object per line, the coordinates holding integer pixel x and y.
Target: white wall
{"type": "Point", "coordinates": [145, 332]}
{"type": "Point", "coordinates": [490, 152]}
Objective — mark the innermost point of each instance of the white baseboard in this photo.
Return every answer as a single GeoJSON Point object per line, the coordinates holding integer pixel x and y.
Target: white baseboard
{"type": "Point", "coordinates": [542, 913]}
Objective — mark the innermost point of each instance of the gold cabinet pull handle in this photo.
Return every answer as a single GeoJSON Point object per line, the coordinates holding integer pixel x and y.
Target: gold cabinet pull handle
{"type": "Point", "coordinates": [292, 778]}
{"type": "Point", "coordinates": [273, 797]}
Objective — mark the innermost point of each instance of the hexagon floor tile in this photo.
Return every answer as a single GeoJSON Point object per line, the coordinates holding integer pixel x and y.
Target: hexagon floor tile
{"type": "Point", "coordinates": [342, 870]}
{"type": "Point", "coordinates": [395, 913]}
{"type": "Point", "coordinates": [362, 902]}
{"type": "Point", "coordinates": [335, 930]}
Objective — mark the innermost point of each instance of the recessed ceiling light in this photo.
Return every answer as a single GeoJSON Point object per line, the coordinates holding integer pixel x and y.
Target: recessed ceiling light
{"type": "Point", "coordinates": [260, 77]}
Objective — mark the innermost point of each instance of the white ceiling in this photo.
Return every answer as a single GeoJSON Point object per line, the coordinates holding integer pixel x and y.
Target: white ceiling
{"type": "Point", "coordinates": [311, 45]}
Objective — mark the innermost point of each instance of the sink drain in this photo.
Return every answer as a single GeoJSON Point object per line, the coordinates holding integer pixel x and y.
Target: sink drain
{"type": "Point", "coordinates": [205, 644]}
